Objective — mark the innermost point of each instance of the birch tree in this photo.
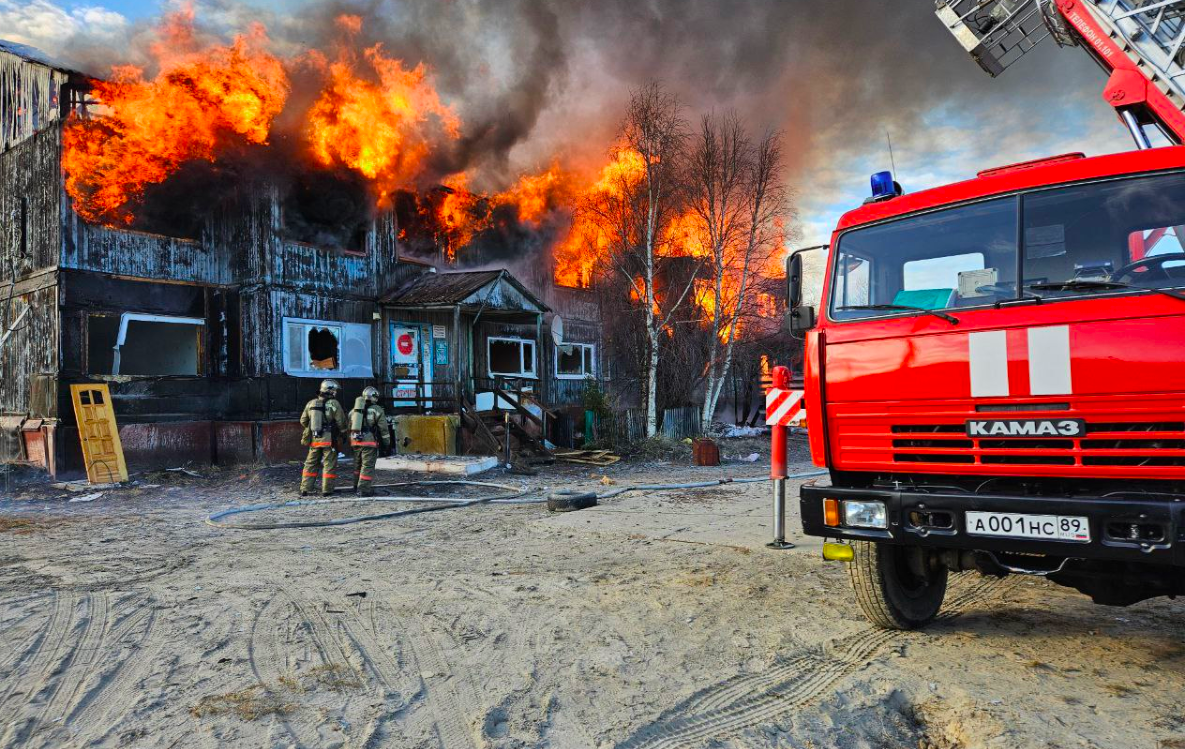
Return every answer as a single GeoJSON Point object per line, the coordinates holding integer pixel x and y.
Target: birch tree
{"type": "Point", "coordinates": [633, 208]}
{"type": "Point", "coordinates": [739, 201]}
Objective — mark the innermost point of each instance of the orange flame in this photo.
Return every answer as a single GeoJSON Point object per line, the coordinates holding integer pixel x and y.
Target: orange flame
{"type": "Point", "coordinates": [536, 195]}
{"type": "Point", "coordinates": [684, 237]}
{"type": "Point", "coordinates": [198, 102]}
{"type": "Point", "coordinates": [462, 214]}
{"type": "Point", "coordinates": [577, 254]}
{"type": "Point", "coordinates": [458, 216]}
{"type": "Point", "coordinates": [378, 124]}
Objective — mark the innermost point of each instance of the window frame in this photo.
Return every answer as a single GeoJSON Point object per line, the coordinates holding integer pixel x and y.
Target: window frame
{"type": "Point", "coordinates": [532, 375]}
{"type": "Point", "coordinates": [589, 349]}
{"type": "Point", "coordinates": [1018, 197]}
{"type": "Point", "coordinates": [121, 334]}
{"type": "Point", "coordinates": [344, 369]}
{"type": "Point", "coordinates": [833, 261]}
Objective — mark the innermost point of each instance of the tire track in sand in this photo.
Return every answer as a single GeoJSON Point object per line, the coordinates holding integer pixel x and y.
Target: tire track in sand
{"type": "Point", "coordinates": [117, 676]}
{"type": "Point", "coordinates": [48, 662]}
{"type": "Point", "coordinates": [71, 683]}
{"type": "Point", "coordinates": [269, 657]}
{"type": "Point", "coordinates": [747, 700]}
{"type": "Point", "coordinates": [40, 653]}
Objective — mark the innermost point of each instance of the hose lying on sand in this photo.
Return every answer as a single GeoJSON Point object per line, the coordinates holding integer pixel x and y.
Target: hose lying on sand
{"type": "Point", "coordinates": [439, 503]}
{"type": "Point", "coordinates": [562, 499]}
{"type": "Point", "coordinates": [574, 499]}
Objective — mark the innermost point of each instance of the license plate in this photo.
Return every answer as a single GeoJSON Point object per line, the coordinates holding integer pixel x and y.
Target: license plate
{"type": "Point", "coordinates": [1017, 525]}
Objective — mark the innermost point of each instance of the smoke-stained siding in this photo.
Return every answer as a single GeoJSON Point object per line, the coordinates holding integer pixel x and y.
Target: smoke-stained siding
{"type": "Point", "coordinates": [263, 313]}
{"type": "Point", "coordinates": [140, 255]}
{"type": "Point", "coordinates": [565, 392]}
{"type": "Point", "coordinates": [30, 95]}
{"type": "Point", "coordinates": [30, 237]}
{"type": "Point", "coordinates": [31, 350]}
{"type": "Point", "coordinates": [30, 199]}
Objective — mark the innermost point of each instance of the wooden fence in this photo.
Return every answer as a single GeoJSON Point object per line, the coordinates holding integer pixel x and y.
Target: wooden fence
{"type": "Point", "coordinates": [681, 423]}
{"type": "Point", "coordinates": [628, 426]}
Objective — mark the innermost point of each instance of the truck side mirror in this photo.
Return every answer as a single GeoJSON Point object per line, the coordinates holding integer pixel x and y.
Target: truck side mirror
{"type": "Point", "coordinates": [802, 319]}
{"type": "Point", "coordinates": [802, 313]}
{"type": "Point", "coordinates": [794, 279]}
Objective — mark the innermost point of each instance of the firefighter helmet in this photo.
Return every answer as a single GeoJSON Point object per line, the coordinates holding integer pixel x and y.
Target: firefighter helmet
{"type": "Point", "coordinates": [371, 394]}
{"type": "Point", "coordinates": [329, 386]}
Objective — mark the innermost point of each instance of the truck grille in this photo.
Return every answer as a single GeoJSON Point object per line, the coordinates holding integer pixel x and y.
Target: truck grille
{"type": "Point", "coordinates": [1153, 444]}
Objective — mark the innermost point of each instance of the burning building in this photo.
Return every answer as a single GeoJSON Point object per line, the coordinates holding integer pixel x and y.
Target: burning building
{"type": "Point", "coordinates": [214, 268]}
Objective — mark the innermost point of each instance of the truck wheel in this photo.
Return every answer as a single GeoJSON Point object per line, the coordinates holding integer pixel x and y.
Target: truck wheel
{"type": "Point", "coordinates": [891, 592]}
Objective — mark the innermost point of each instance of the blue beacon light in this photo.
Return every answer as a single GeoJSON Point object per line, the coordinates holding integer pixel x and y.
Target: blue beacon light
{"type": "Point", "coordinates": [882, 186]}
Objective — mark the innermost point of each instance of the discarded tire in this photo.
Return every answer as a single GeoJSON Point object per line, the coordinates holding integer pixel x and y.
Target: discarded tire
{"type": "Point", "coordinates": [566, 500]}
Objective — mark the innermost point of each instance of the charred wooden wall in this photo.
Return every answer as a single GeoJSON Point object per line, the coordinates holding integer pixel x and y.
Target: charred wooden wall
{"type": "Point", "coordinates": [445, 376]}
{"type": "Point", "coordinates": [30, 98]}
{"type": "Point", "coordinates": [29, 357]}
{"type": "Point", "coordinates": [566, 392]}
{"type": "Point", "coordinates": [30, 199]}
{"type": "Point", "coordinates": [490, 326]}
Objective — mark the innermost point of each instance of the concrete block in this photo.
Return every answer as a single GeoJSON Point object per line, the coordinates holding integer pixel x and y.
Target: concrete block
{"type": "Point", "coordinates": [448, 465]}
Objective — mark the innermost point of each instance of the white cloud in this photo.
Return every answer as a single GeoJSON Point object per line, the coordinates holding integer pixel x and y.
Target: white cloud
{"type": "Point", "coordinates": [952, 145]}
{"type": "Point", "coordinates": [48, 26]}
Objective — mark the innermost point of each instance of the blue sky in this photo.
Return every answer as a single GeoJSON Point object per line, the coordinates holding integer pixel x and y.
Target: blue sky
{"type": "Point", "coordinates": [127, 8]}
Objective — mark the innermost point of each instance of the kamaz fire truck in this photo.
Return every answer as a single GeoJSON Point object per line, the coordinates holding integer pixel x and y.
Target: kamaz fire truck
{"type": "Point", "coordinates": [995, 369]}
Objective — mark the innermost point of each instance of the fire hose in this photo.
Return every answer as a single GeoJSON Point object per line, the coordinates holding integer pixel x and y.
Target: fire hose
{"type": "Point", "coordinates": [557, 500]}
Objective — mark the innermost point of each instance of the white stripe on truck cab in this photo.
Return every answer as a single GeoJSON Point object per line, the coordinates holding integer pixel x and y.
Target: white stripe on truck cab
{"type": "Point", "coordinates": [1049, 360]}
{"type": "Point", "coordinates": [988, 356]}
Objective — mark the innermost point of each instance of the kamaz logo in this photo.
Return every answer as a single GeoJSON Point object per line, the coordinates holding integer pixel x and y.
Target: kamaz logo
{"type": "Point", "coordinates": [1027, 428]}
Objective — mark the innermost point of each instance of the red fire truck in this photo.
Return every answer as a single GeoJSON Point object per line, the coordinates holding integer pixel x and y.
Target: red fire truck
{"type": "Point", "coordinates": [995, 369]}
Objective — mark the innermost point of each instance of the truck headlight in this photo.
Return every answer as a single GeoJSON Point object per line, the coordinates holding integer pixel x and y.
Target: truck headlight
{"type": "Point", "coordinates": [860, 514]}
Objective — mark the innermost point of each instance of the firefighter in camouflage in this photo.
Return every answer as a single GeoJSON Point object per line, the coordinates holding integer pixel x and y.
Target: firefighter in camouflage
{"type": "Point", "coordinates": [323, 420]}
{"type": "Point", "coordinates": [368, 430]}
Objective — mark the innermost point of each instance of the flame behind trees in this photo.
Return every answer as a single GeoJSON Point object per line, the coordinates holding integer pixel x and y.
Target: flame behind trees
{"type": "Point", "coordinates": [684, 221]}
{"type": "Point", "coordinates": [633, 211]}
{"type": "Point", "coordinates": [738, 201]}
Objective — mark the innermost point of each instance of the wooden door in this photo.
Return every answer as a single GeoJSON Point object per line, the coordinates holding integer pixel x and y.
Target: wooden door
{"type": "Point", "coordinates": [101, 450]}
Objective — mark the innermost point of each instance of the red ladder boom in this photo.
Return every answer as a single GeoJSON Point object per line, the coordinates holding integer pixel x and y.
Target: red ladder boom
{"type": "Point", "coordinates": [1139, 43]}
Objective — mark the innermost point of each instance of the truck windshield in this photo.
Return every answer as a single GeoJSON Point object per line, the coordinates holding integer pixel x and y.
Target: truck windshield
{"type": "Point", "coordinates": [1098, 238]}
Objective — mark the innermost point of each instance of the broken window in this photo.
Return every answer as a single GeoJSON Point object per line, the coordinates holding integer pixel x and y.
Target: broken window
{"type": "Point", "coordinates": [511, 357]}
{"type": "Point", "coordinates": [575, 361]}
{"type": "Point", "coordinates": [148, 345]}
{"type": "Point", "coordinates": [313, 348]}
{"type": "Point", "coordinates": [323, 347]}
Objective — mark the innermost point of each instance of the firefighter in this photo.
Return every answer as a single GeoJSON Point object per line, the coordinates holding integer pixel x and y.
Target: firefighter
{"type": "Point", "coordinates": [323, 420]}
{"type": "Point", "coordinates": [368, 430]}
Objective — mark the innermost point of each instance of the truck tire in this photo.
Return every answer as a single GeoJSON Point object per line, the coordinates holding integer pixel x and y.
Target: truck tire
{"type": "Point", "coordinates": [891, 595]}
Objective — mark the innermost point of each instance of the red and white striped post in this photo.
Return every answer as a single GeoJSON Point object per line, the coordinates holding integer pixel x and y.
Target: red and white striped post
{"type": "Point", "coordinates": [782, 405]}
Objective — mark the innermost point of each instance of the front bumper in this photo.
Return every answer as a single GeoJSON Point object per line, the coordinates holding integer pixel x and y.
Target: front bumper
{"type": "Point", "coordinates": [904, 508]}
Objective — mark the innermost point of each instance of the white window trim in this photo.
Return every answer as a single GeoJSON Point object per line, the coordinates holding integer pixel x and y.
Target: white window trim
{"type": "Point", "coordinates": [532, 375]}
{"type": "Point", "coordinates": [365, 370]}
{"type": "Point", "coordinates": [590, 346]}
{"type": "Point", "coordinates": [127, 317]}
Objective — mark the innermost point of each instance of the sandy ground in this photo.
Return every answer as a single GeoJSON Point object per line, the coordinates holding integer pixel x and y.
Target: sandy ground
{"type": "Point", "coordinates": [654, 620]}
